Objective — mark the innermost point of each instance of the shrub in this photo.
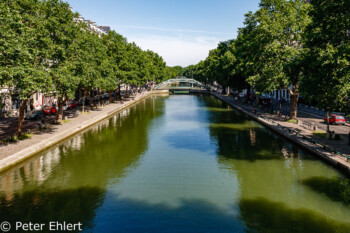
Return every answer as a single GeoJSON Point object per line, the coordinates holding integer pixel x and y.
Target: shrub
{"type": "Point", "coordinates": [321, 134]}
{"type": "Point", "coordinates": [25, 136]}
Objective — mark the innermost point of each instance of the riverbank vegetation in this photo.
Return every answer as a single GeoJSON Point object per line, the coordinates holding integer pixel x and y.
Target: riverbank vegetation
{"type": "Point", "coordinates": [302, 46]}
{"type": "Point", "coordinates": [44, 48]}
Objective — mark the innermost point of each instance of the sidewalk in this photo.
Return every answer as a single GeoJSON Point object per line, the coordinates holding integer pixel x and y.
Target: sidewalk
{"type": "Point", "coordinates": [298, 133]}
{"type": "Point", "coordinates": [14, 153]}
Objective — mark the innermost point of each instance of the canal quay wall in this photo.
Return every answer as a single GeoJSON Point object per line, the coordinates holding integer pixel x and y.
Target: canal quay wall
{"type": "Point", "coordinates": [339, 162]}
{"type": "Point", "coordinates": [14, 154]}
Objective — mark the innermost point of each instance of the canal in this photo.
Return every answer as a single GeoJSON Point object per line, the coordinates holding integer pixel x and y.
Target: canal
{"type": "Point", "coordinates": [178, 163]}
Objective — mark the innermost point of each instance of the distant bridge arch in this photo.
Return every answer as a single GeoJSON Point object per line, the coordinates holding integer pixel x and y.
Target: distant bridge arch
{"type": "Point", "coordinates": [180, 83]}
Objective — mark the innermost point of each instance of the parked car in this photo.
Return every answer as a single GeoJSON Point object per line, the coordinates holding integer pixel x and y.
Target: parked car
{"type": "Point", "coordinates": [35, 115]}
{"type": "Point", "coordinates": [335, 119]}
{"type": "Point", "coordinates": [71, 104]}
{"type": "Point", "coordinates": [48, 109]}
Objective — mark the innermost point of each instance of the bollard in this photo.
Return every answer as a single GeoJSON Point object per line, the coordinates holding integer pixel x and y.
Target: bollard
{"type": "Point", "coordinates": [65, 118]}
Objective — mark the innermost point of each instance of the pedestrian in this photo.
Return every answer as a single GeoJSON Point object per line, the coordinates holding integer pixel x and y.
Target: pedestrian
{"type": "Point", "coordinates": [236, 99]}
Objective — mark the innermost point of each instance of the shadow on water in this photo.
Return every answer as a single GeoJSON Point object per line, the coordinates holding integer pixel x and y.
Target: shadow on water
{"type": "Point", "coordinates": [253, 144]}
{"type": "Point", "coordinates": [337, 189]}
{"type": "Point", "coordinates": [38, 206]}
{"type": "Point", "coordinates": [262, 215]}
{"type": "Point", "coordinates": [85, 205]}
{"type": "Point", "coordinates": [237, 137]}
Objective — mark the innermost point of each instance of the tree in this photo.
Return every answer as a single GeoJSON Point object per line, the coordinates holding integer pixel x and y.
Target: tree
{"type": "Point", "coordinates": [64, 36]}
{"type": "Point", "coordinates": [117, 54]}
{"type": "Point", "coordinates": [24, 49]}
{"type": "Point", "coordinates": [327, 62]}
{"type": "Point", "coordinates": [273, 35]}
{"type": "Point", "coordinates": [88, 63]}
{"type": "Point", "coordinates": [176, 71]}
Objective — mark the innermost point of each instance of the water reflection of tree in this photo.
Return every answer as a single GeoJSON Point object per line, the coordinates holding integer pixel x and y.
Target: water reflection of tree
{"type": "Point", "coordinates": [262, 215]}
{"type": "Point", "coordinates": [266, 165]}
{"type": "Point", "coordinates": [111, 151]}
{"type": "Point", "coordinates": [43, 206]}
{"type": "Point", "coordinates": [108, 152]}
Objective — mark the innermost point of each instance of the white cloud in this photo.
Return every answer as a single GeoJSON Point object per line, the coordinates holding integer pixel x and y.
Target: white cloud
{"type": "Point", "coordinates": [171, 29]}
{"type": "Point", "coordinates": [177, 50]}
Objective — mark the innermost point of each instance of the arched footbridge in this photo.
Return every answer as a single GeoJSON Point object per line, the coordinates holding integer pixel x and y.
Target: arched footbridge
{"type": "Point", "coordinates": [180, 84]}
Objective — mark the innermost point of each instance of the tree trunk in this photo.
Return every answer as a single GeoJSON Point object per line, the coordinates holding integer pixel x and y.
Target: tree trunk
{"type": "Point", "coordinates": [228, 90]}
{"type": "Point", "coordinates": [119, 93]}
{"type": "Point", "coordinates": [223, 92]}
{"type": "Point", "coordinates": [83, 106]}
{"type": "Point", "coordinates": [99, 97]}
{"type": "Point", "coordinates": [328, 122]}
{"type": "Point", "coordinates": [21, 117]}
{"type": "Point", "coordinates": [257, 100]}
{"type": "Point", "coordinates": [110, 97]}
{"type": "Point", "coordinates": [61, 101]}
{"type": "Point", "coordinates": [294, 102]}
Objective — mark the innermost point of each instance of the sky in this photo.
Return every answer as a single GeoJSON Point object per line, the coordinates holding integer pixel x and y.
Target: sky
{"type": "Point", "coordinates": [181, 31]}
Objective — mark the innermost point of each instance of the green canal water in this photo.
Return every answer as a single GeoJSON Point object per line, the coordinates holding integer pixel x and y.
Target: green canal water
{"type": "Point", "coordinates": [178, 163]}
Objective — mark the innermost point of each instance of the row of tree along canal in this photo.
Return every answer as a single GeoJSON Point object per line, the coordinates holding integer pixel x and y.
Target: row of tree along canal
{"type": "Point", "coordinates": [178, 163]}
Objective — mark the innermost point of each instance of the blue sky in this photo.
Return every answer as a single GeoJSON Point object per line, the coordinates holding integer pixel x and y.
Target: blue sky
{"type": "Point", "coordinates": [181, 31]}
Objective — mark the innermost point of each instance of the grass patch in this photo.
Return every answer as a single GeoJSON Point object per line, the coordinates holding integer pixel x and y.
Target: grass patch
{"type": "Point", "coordinates": [25, 136]}
{"type": "Point", "coordinates": [321, 134]}
{"type": "Point", "coordinates": [10, 139]}
{"type": "Point", "coordinates": [65, 121]}
{"type": "Point", "coordinates": [15, 138]}
{"type": "Point", "coordinates": [292, 121]}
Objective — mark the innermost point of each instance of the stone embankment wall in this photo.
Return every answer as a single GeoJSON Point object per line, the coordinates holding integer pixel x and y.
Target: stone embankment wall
{"type": "Point", "coordinates": [60, 135]}
{"type": "Point", "coordinates": [334, 160]}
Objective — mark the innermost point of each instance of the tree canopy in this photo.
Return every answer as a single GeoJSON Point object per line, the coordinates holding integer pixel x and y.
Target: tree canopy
{"type": "Point", "coordinates": [45, 48]}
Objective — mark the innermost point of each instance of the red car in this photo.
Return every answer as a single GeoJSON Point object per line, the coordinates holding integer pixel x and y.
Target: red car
{"type": "Point", "coordinates": [48, 110]}
{"type": "Point", "coordinates": [72, 104]}
{"type": "Point", "coordinates": [335, 119]}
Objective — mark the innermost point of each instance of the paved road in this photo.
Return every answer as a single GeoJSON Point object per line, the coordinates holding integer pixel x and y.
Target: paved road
{"type": "Point", "coordinates": [315, 116]}
{"type": "Point", "coordinates": [343, 130]}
